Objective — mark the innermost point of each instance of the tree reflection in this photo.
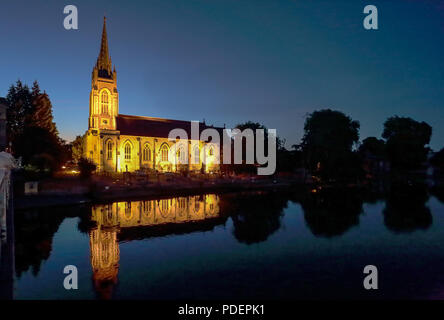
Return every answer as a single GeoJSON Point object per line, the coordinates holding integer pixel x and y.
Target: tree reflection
{"type": "Point", "coordinates": [438, 192]}
{"type": "Point", "coordinates": [405, 209]}
{"type": "Point", "coordinates": [255, 216]}
{"type": "Point", "coordinates": [331, 212]}
{"type": "Point", "coordinates": [34, 232]}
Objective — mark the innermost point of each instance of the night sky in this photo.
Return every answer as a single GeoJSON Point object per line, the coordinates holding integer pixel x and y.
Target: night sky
{"type": "Point", "coordinates": [230, 61]}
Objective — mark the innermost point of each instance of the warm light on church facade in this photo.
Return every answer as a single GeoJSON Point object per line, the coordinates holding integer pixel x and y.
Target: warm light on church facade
{"type": "Point", "coordinates": [124, 143]}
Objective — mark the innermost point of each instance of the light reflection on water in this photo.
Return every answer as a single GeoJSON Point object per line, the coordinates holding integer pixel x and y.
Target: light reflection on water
{"type": "Point", "coordinates": [151, 217]}
{"type": "Point", "coordinates": [251, 245]}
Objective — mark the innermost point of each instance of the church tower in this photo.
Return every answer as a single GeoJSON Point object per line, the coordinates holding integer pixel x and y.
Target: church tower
{"type": "Point", "coordinates": [104, 98]}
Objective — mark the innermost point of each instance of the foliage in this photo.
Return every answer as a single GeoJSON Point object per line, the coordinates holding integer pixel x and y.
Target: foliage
{"type": "Point", "coordinates": [87, 167]}
{"type": "Point", "coordinates": [252, 168]}
{"type": "Point", "coordinates": [438, 159]}
{"type": "Point", "coordinates": [42, 114]}
{"type": "Point", "coordinates": [288, 161]}
{"type": "Point", "coordinates": [19, 100]}
{"type": "Point", "coordinates": [373, 146]}
{"type": "Point", "coordinates": [77, 148]}
{"type": "Point", "coordinates": [35, 144]}
{"type": "Point", "coordinates": [406, 141]}
{"type": "Point", "coordinates": [31, 130]}
{"type": "Point", "coordinates": [327, 144]}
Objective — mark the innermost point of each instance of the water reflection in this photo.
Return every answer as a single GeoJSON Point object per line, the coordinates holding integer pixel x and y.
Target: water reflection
{"type": "Point", "coordinates": [34, 232]}
{"type": "Point", "coordinates": [331, 212]}
{"type": "Point", "coordinates": [255, 216]}
{"type": "Point", "coordinates": [123, 221]}
{"type": "Point", "coordinates": [405, 209]}
{"type": "Point", "coordinates": [438, 192]}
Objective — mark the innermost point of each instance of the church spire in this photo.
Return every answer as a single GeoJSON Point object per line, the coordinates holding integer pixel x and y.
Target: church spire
{"type": "Point", "coordinates": [104, 61]}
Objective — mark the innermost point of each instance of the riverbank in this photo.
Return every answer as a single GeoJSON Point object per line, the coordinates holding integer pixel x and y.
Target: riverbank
{"type": "Point", "coordinates": [63, 192]}
{"type": "Point", "coordinates": [72, 190]}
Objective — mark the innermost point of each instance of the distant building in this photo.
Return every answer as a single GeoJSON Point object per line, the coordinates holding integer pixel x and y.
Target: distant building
{"type": "Point", "coordinates": [3, 138]}
{"type": "Point", "coordinates": [123, 143]}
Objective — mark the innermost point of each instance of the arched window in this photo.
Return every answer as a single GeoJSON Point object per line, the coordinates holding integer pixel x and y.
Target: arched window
{"type": "Point", "coordinates": [128, 212]}
{"type": "Point", "coordinates": [109, 150]}
{"type": "Point", "coordinates": [104, 102]}
{"type": "Point", "coordinates": [164, 153]}
{"type": "Point", "coordinates": [146, 154]}
{"type": "Point", "coordinates": [127, 151]}
{"type": "Point", "coordinates": [196, 154]}
{"type": "Point", "coordinates": [182, 203]}
{"type": "Point", "coordinates": [146, 206]}
{"type": "Point", "coordinates": [164, 207]}
{"type": "Point", "coordinates": [182, 155]}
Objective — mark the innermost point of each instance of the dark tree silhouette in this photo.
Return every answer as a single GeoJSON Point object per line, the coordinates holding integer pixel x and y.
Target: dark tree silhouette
{"type": "Point", "coordinates": [31, 129]}
{"type": "Point", "coordinates": [20, 107]}
{"type": "Point", "coordinates": [39, 148]}
{"type": "Point", "coordinates": [406, 142]}
{"type": "Point", "coordinates": [42, 114]}
{"type": "Point", "coordinates": [438, 159]}
{"type": "Point", "coordinates": [327, 144]}
{"type": "Point", "coordinates": [373, 146]}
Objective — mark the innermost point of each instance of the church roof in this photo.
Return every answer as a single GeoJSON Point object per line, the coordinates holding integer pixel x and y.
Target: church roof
{"type": "Point", "coordinates": [155, 127]}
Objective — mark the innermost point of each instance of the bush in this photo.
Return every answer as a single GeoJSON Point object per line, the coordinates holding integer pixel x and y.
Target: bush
{"type": "Point", "coordinates": [86, 167]}
{"type": "Point", "coordinates": [43, 163]}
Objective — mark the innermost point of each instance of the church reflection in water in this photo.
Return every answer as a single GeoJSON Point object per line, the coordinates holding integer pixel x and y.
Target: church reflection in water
{"type": "Point", "coordinates": [124, 221]}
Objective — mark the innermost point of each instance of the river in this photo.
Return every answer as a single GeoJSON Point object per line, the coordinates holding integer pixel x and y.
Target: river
{"type": "Point", "coordinates": [257, 245]}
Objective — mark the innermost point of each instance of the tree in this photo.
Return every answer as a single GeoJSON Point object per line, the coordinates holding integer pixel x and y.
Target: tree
{"type": "Point", "coordinates": [42, 114]}
{"type": "Point", "coordinates": [327, 144]}
{"type": "Point", "coordinates": [39, 148]}
{"type": "Point", "coordinates": [373, 146]}
{"type": "Point", "coordinates": [20, 107]}
{"type": "Point", "coordinates": [406, 141]}
{"type": "Point", "coordinates": [77, 148]}
{"type": "Point", "coordinates": [438, 159]}
{"type": "Point", "coordinates": [31, 129]}
{"type": "Point", "coordinates": [87, 167]}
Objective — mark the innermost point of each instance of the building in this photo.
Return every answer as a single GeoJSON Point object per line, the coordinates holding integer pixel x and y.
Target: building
{"type": "Point", "coordinates": [122, 143]}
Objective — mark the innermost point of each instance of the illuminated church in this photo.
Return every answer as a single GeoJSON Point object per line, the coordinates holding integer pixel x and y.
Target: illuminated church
{"type": "Point", "coordinates": [123, 143]}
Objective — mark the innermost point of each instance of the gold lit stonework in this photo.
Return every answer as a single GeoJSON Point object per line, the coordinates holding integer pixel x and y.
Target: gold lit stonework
{"type": "Point", "coordinates": [114, 150]}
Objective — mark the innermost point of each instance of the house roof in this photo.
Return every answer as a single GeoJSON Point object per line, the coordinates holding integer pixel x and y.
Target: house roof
{"type": "Point", "coordinates": [155, 127]}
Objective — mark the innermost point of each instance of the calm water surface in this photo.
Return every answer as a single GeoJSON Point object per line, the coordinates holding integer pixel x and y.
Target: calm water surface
{"type": "Point", "coordinates": [277, 245]}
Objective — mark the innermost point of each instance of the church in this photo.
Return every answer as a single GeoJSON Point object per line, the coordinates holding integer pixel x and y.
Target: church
{"type": "Point", "coordinates": [125, 143]}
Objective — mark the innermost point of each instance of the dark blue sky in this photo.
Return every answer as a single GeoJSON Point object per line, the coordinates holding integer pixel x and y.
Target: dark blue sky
{"type": "Point", "coordinates": [230, 61]}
